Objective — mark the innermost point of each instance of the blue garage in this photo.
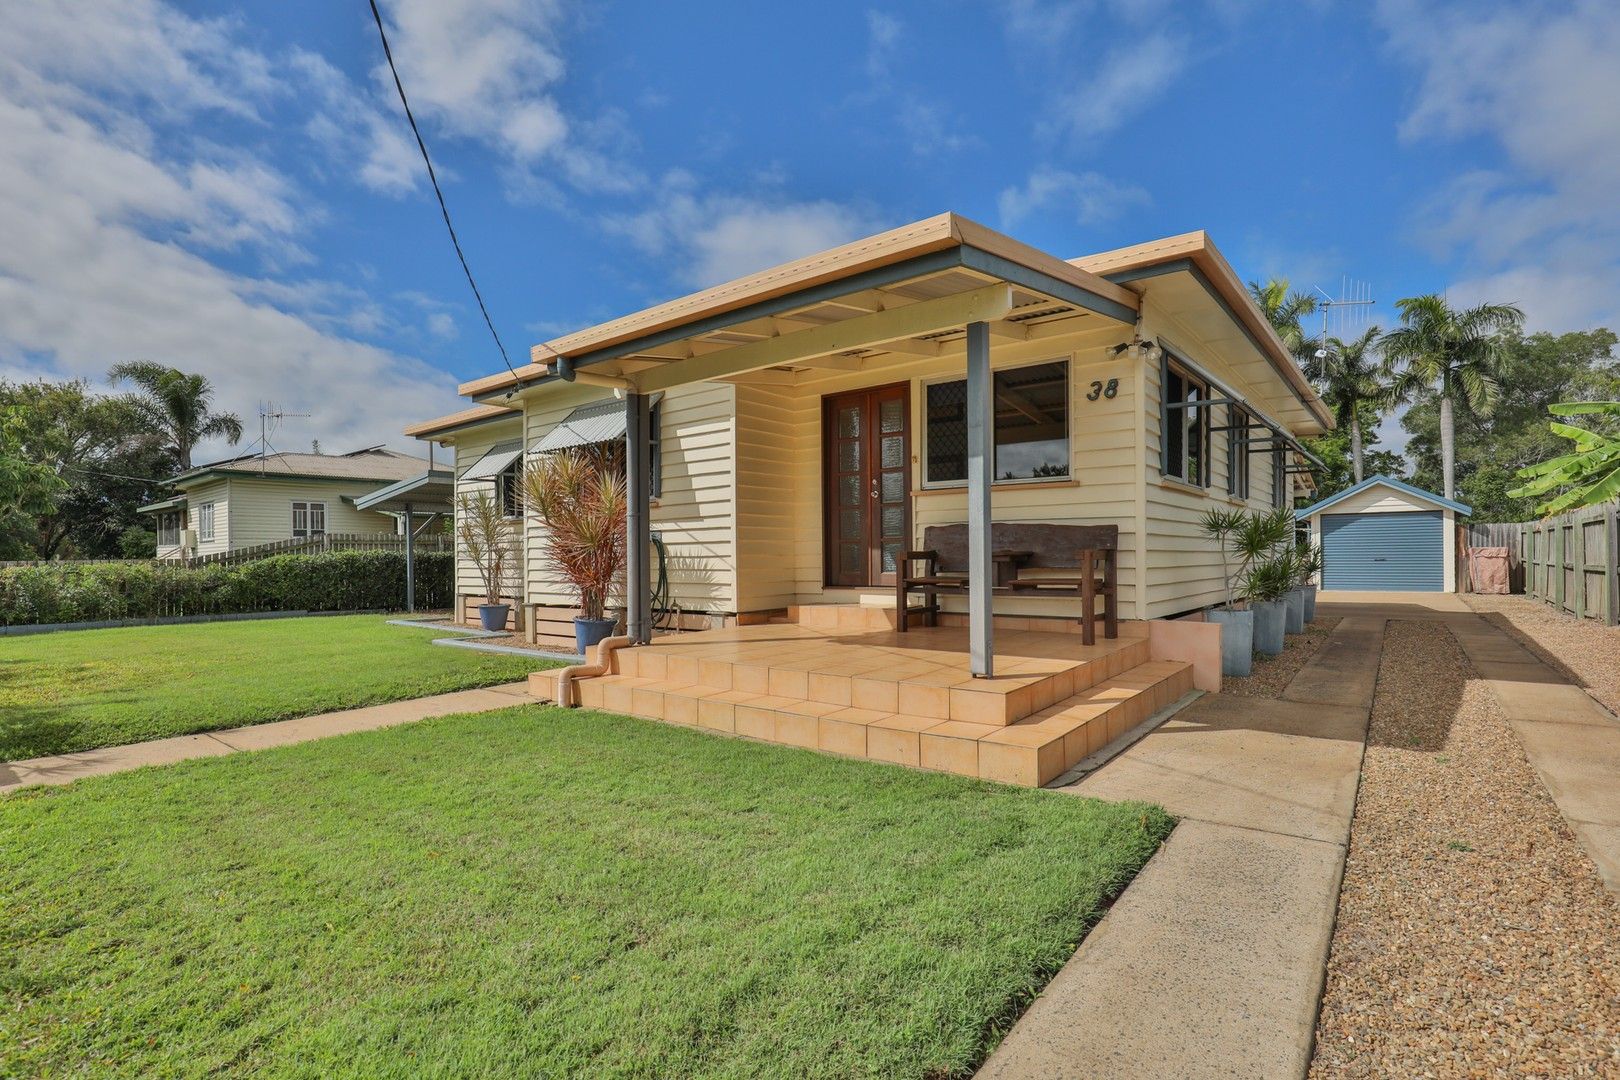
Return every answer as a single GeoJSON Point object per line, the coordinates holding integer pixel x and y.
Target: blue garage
{"type": "Point", "coordinates": [1384, 535]}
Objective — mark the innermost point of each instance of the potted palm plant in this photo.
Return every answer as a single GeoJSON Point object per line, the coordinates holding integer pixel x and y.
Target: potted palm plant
{"type": "Point", "coordinates": [1245, 540]}
{"type": "Point", "coordinates": [579, 496]}
{"type": "Point", "coordinates": [1267, 585]}
{"type": "Point", "coordinates": [1308, 561]}
{"type": "Point", "coordinates": [487, 536]}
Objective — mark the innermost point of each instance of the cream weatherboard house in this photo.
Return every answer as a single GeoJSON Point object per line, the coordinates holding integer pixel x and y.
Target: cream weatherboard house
{"type": "Point", "coordinates": [248, 501]}
{"type": "Point", "coordinates": [792, 435]}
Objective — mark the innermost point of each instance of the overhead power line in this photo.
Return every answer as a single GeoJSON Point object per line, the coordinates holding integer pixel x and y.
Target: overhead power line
{"type": "Point", "coordinates": [376, 17]}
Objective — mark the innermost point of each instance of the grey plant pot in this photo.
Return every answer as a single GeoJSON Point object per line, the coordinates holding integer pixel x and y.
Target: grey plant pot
{"type": "Point", "coordinates": [1296, 611]}
{"type": "Point", "coordinates": [1270, 624]}
{"type": "Point", "coordinates": [1310, 603]}
{"type": "Point", "coordinates": [493, 616]}
{"type": "Point", "coordinates": [1237, 639]}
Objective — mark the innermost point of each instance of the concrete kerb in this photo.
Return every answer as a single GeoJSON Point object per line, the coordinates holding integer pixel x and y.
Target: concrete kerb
{"type": "Point", "coordinates": [476, 646]}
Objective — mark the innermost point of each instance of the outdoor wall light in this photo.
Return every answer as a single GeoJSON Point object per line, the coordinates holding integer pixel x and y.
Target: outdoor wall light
{"type": "Point", "coordinates": [1145, 350]}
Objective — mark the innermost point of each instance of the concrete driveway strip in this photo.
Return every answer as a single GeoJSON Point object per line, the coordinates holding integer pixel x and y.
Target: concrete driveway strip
{"type": "Point", "coordinates": [1212, 962]}
{"type": "Point", "coordinates": [1571, 741]}
{"type": "Point", "coordinates": [66, 768]}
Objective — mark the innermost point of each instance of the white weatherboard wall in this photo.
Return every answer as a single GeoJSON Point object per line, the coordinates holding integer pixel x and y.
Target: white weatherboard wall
{"type": "Point", "coordinates": [261, 509]}
{"type": "Point", "coordinates": [217, 492]}
{"type": "Point", "coordinates": [1380, 499]}
{"type": "Point", "coordinates": [471, 445]}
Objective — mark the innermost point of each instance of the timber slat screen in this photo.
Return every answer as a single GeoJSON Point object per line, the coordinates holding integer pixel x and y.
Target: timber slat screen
{"type": "Point", "coordinates": [1569, 562]}
{"type": "Point", "coordinates": [320, 545]}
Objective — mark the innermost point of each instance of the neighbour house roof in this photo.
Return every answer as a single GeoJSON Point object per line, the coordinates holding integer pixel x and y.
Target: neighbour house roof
{"type": "Point", "coordinates": [163, 504]}
{"type": "Point", "coordinates": [1395, 485]}
{"type": "Point", "coordinates": [478, 414]}
{"type": "Point", "coordinates": [372, 463]}
{"type": "Point", "coordinates": [936, 259]}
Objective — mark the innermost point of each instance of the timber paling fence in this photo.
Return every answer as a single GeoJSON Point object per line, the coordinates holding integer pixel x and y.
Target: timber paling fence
{"type": "Point", "coordinates": [1570, 561]}
{"type": "Point", "coordinates": [323, 545]}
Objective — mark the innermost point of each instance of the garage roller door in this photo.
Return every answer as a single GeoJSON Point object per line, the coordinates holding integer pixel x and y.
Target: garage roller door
{"type": "Point", "coordinates": [1388, 552]}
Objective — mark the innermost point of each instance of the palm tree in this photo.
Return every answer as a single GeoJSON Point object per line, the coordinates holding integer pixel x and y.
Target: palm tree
{"type": "Point", "coordinates": [1350, 376]}
{"type": "Point", "coordinates": [1286, 312]}
{"type": "Point", "coordinates": [177, 405]}
{"type": "Point", "coordinates": [1454, 353]}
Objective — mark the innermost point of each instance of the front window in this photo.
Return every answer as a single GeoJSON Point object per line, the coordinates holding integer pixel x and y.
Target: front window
{"type": "Point", "coordinates": [508, 489]}
{"type": "Point", "coordinates": [1031, 425]}
{"type": "Point", "coordinates": [1185, 427]}
{"type": "Point", "coordinates": [308, 519]}
{"type": "Point", "coordinates": [205, 521]}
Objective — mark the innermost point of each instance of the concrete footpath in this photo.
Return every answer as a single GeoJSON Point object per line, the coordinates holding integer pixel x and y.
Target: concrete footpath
{"type": "Point", "coordinates": [1571, 741]}
{"type": "Point", "coordinates": [1212, 962]}
{"type": "Point", "coordinates": [66, 768]}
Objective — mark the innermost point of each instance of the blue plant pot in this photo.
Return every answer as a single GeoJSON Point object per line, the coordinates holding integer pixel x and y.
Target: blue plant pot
{"type": "Point", "coordinates": [493, 616]}
{"type": "Point", "coordinates": [588, 632]}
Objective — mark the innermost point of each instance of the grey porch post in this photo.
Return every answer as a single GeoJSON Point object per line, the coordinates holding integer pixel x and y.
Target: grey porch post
{"type": "Point", "coordinates": [410, 561]}
{"type": "Point", "coordinates": [981, 450]}
{"type": "Point", "coordinates": [638, 519]}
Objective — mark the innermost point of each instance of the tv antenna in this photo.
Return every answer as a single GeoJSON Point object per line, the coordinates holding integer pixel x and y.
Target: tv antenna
{"type": "Point", "coordinates": [270, 418]}
{"type": "Point", "coordinates": [1350, 311]}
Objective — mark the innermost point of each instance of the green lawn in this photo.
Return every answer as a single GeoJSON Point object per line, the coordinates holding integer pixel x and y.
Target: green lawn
{"type": "Point", "coordinates": [539, 892]}
{"type": "Point", "coordinates": [86, 688]}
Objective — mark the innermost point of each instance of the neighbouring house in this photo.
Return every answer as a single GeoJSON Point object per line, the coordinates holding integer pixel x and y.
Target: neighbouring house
{"type": "Point", "coordinates": [1383, 534]}
{"type": "Point", "coordinates": [808, 422]}
{"type": "Point", "coordinates": [248, 501]}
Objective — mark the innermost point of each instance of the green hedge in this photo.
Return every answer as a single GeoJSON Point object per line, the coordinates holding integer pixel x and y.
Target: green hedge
{"type": "Point", "coordinates": [344, 581]}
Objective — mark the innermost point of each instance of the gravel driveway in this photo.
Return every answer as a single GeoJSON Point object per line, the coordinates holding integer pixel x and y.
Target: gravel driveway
{"type": "Point", "coordinates": [1474, 937]}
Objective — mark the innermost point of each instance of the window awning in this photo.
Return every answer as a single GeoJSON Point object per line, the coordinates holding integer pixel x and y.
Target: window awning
{"type": "Point", "coordinates": [598, 422]}
{"type": "Point", "coordinates": [167, 504]}
{"type": "Point", "coordinates": [495, 461]}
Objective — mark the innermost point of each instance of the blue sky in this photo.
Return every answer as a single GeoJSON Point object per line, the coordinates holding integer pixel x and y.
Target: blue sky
{"type": "Point", "coordinates": [230, 187]}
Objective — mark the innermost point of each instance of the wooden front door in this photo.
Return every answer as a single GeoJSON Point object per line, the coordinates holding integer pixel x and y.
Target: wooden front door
{"type": "Point", "coordinates": [866, 467]}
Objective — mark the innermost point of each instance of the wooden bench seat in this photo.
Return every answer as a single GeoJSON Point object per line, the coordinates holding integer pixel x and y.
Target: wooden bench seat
{"type": "Point", "coordinates": [1017, 549]}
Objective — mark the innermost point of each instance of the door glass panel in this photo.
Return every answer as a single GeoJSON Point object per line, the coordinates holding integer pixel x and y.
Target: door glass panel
{"type": "Point", "coordinates": [894, 487]}
{"type": "Point", "coordinates": [849, 456]}
{"type": "Point", "coordinates": [849, 491]}
{"type": "Point", "coordinates": [894, 451]}
{"type": "Point", "coordinates": [849, 422]}
{"type": "Point", "coordinates": [891, 556]}
{"type": "Point", "coordinates": [891, 416]}
{"type": "Point", "coordinates": [894, 520]}
{"type": "Point", "coordinates": [849, 524]}
{"type": "Point", "coordinates": [851, 559]}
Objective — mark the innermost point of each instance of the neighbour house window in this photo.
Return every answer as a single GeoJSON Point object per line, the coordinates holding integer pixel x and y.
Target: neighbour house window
{"type": "Point", "coordinates": [1239, 430]}
{"type": "Point", "coordinates": [308, 519]}
{"type": "Point", "coordinates": [1184, 427]}
{"type": "Point", "coordinates": [205, 521]}
{"type": "Point", "coordinates": [1031, 425]}
{"type": "Point", "coordinates": [168, 529]}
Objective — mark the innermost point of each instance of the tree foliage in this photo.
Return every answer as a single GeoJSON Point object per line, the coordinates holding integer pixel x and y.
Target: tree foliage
{"type": "Point", "coordinates": [1535, 372]}
{"type": "Point", "coordinates": [1588, 475]}
{"type": "Point", "coordinates": [1286, 310]}
{"type": "Point", "coordinates": [178, 404]}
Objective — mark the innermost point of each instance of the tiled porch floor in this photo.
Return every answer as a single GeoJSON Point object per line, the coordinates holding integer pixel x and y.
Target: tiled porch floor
{"type": "Point", "coordinates": [868, 691]}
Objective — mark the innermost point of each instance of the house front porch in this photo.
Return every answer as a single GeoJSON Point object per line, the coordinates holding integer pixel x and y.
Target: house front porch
{"type": "Point", "coordinates": [839, 678]}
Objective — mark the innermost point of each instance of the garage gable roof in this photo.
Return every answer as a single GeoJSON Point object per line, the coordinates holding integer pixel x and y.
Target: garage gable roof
{"type": "Point", "coordinates": [1392, 483]}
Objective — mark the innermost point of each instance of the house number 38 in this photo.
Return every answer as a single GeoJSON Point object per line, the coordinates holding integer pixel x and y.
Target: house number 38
{"type": "Point", "coordinates": [1100, 389]}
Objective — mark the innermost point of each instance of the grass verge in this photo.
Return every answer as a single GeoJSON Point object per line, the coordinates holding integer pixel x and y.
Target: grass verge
{"type": "Point", "coordinates": [80, 689]}
{"type": "Point", "coordinates": [539, 892]}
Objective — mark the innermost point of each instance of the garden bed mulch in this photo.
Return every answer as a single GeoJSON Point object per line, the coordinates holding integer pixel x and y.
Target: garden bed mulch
{"type": "Point", "coordinates": [1474, 937]}
{"type": "Point", "coordinates": [1585, 652]}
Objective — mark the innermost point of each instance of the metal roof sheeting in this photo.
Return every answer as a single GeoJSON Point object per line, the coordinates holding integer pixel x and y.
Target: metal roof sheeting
{"type": "Point", "coordinates": [598, 422]}
{"type": "Point", "coordinates": [495, 461]}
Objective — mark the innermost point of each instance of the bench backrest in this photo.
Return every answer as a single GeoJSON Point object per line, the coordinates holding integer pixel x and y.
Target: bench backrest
{"type": "Point", "coordinates": [1054, 546]}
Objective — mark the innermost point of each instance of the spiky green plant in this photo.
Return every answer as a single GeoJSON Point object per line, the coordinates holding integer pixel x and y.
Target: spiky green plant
{"type": "Point", "coordinates": [1248, 538]}
{"type": "Point", "coordinates": [488, 538]}
{"type": "Point", "coordinates": [1589, 475]}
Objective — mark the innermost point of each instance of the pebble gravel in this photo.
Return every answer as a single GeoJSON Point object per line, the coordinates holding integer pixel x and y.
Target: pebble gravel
{"type": "Point", "coordinates": [1474, 938]}
{"type": "Point", "coordinates": [1585, 651]}
{"type": "Point", "coordinates": [1272, 674]}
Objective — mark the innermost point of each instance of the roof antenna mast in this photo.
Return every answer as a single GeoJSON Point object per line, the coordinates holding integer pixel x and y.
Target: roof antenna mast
{"type": "Point", "coordinates": [1351, 307]}
{"type": "Point", "coordinates": [269, 412]}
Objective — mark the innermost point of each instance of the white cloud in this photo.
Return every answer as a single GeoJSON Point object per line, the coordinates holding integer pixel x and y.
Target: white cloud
{"type": "Point", "coordinates": [112, 207]}
{"type": "Point", "coordinates": [1543, 229]}
{"type": "Point", "coordinates": [717, 237]}
{"type": "Point", "coordinates": [1126, 80]}
{"type": "Point", "coordinates": [883, 32]}
{"type": "Point", "coordinates": [441, 325]}
{"type": "Point", "coordinates": [1087, 197]}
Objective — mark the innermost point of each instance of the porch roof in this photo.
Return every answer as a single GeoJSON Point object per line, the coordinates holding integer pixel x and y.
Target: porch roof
{"type": "Point", "coordinates": [907, 291]}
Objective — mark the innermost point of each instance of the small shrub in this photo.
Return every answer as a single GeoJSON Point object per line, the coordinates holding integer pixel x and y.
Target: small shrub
{"type": "Point", "coordinates": [344, 581]}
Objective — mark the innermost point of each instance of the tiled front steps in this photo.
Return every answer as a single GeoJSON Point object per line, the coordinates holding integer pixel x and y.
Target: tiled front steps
{"type": "Point", "coordinates": [1033, 750]}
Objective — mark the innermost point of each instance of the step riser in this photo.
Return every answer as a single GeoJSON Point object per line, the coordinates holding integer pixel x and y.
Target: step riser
{"type": "Point", "coordinates": [885, 695]}
{"type": "Point", "coordinates": [1121, 705]}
